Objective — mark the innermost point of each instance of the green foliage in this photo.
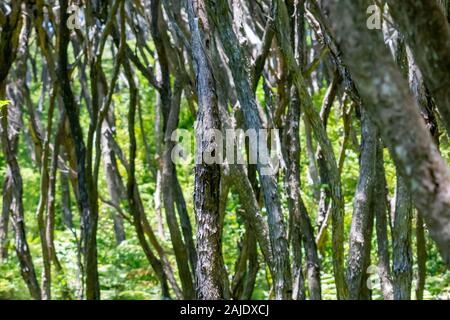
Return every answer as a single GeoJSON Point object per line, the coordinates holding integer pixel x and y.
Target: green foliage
{"type": "Point", "coordinates": [124, 270]}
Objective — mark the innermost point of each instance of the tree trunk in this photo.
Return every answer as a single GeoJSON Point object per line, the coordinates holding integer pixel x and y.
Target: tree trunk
{"type": "Point", "coordinates": [363, 213]}
{"type": "Point", "coordinates": [427, 32]}
{"type": "Point", "coordinates": [113, 179]}
{"type": "Point", "coordinates": [337, 207]}
{"type": "Point", "coordinates": [4, 218]}
{"type": "Point", "coordinates": [218, 12]}
{"type": "Point", "coordinates": [401, 242]}
{"type": "Point", "coordinates": [421, 257]}
{"type": "Point", "coordinates": [381, 214]}
{"type": "Point", "coordinates": [88, 215]}
{"type": "Point", "coordinates": [8, 46]}
{"type": "Point", "coordinates": [390, 105]}
{"type": "Point", "coordinates": [207, 176]}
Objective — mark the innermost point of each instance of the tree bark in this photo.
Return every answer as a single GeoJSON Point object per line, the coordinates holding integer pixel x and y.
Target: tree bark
{"type": "Point", "coordinates": [116, 188]}
{"type": "Point", "coordinates": [363, 213]}
{"type": "Point", "coordinates": [427, 33]}
{"type": "Point", "coordinates": [219, 14]}
{"type": "Point", "coordinates": [337, 208]}
{"type": "Point", "coordinates": [4, 219]}
{"type": "Point", "coordinates": [88, 215]}
{"type": "Point", "coordinates": [9, 38]}
{"type": "Point", "coordinates": [381, 216]}
{"type": "Point", "coordinates": [401, 242]}
{"type": "Point", "coordinates": [387, 98]}
{"type": "Point", "coordinates": [207, 176]}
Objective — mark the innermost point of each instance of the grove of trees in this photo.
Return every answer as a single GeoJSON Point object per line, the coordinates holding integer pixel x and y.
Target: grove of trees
{"type": "Point", "coordinates": [97, 98]}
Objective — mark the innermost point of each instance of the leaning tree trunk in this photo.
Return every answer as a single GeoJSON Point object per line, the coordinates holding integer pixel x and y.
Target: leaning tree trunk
{"type": "Point", "coordinates": [427, 32]}
{"type": "Point", "coordinates": [391, 106]}
{"type": "Point", "coordinates": [170, 111]}
{"type": "Point", "coordinates": [112, 176]}
{"type": "Point", "coordinates": [402, 213]}
{"type": "Point", "coordinates": [337, 208]}
{"type": "Point", "coordinates": [219, 13]}
{"type": "Point", "coordinates": [18, 217]}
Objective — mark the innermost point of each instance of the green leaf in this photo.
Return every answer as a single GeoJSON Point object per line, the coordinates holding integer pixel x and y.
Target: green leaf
{"type": "Point", "coordinates": [4, 103]}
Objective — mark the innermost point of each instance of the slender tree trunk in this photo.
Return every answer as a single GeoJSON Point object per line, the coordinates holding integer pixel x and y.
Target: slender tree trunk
{"type": "Point", "coordinates": [421, 257]}
{"type": "Point", "coordinates": [302, 230]}
{"type": "Point", "coordinates": [427, 109]}
{"type": "Point", "coordinates": [337, 206]}
{"type": "Point", "coordinates": [380, 207]}
{"type": "Point", "coordinates": [18, 219]}
{"type": "Point", "coordinates": [43, 201]}
{"type": "Point", "coordinates": [66, 201]}
{"type": "Point", "coordinates": [88, 215]}
{"type": "Point", "coordinates": [186, 226]}
{"type": "Point", "coordinates": [170, 105]}
{"type": "Point", "coordinates": [244, 181]}
{"type": "Point", "coordinates": [246, 267]}
{"type": "Point", "coordinates": [4, 218]}
{"type": "Point", "coordinates": [401, 242]}
{"type": "Point", "coordinates": [112, 176]}
{"type": "Point", "coordinates": [363, 213]}
{"type": "Point", "coordinates": [169, 192]}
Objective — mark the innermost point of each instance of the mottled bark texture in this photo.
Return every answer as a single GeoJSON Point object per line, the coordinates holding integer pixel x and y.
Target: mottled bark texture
{"type": "Point", "coordinates": [363, 213]}
{"type": "Point", "coordinates": [337, 207]}
{"type": "Point", "coordinates": [207, 176]}
{"type": "Point", "coordinates": [4, 218]}
{"type": "Point", "coordinates": [401, 242]}
{"type": "Point", "coordinates": [302, 231]}
{"type": "Point", "coordinates": [9, 42]}
{"type": "Point", "coordinates": [116, 188]}
{"type": "Point", "coordinates": [381, 208]}
{"type": "Point", "coordinates": [218, 12]}
{"type": "Point", "coordinates": [387, 98]}
{"type": "Point", "coordinates": [427, 32]}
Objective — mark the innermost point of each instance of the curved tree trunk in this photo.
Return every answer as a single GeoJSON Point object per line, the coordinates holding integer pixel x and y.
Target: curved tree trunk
{"type": "Point", "coordinates": [393, 109]}
{"type": "Point", "coordinates": [427, 32]}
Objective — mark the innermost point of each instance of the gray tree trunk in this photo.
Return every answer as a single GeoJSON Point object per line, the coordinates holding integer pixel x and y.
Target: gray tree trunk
{"type": "Point", "coordinates": [363, 213]}
{"type": "Point", "coordinates": [391, 106]}
{"type": "Point", "coordinates": [207, 176]}
{"type": "Point", "coordinates": [219, 14]}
